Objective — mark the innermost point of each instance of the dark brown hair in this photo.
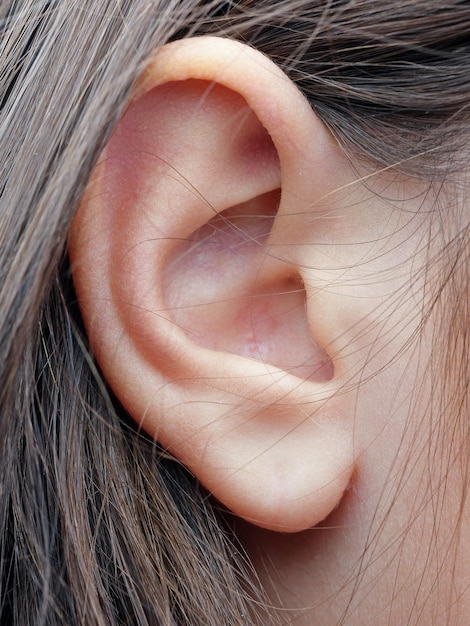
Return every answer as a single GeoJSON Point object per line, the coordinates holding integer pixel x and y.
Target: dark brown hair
{"type": "Point", "coordinates": [97, 524]}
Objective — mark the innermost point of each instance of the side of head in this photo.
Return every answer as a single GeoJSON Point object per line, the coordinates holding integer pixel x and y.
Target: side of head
{"type": "Point", "coordinates": [255, 298]}
{"type": "Point", "coordinates": [270, 264]}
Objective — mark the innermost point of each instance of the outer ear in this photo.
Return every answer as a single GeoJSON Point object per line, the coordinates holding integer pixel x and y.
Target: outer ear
{"type": "Point", "coordinates": [196, 302]}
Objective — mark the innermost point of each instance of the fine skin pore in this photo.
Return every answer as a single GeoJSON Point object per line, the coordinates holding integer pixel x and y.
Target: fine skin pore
{"type": "Point", "coordinates": [250, 222]}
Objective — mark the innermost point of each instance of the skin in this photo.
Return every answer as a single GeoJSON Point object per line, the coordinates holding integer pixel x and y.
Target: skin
{"type": "Point", "coordinates": [251, 222]}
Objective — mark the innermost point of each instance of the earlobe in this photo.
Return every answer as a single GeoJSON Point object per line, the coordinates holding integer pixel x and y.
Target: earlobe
{"type": "Point", "coordinates": [192, 290]}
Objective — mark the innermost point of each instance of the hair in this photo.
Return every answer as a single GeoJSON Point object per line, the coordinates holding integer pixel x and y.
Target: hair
{"type": "Point", "coordinates": [98, 525]}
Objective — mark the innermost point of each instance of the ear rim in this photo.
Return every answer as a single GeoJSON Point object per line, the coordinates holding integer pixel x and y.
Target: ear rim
{"type": "Point", "coordinates": [290, 500]}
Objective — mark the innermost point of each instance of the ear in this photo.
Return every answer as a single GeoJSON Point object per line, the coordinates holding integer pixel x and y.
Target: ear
{"type": "Point", "coordinates": [187, 257]}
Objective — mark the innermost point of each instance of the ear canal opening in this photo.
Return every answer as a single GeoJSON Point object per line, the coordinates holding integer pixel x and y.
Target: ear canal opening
{"type": "Point", "coordinates": [228, 292]}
